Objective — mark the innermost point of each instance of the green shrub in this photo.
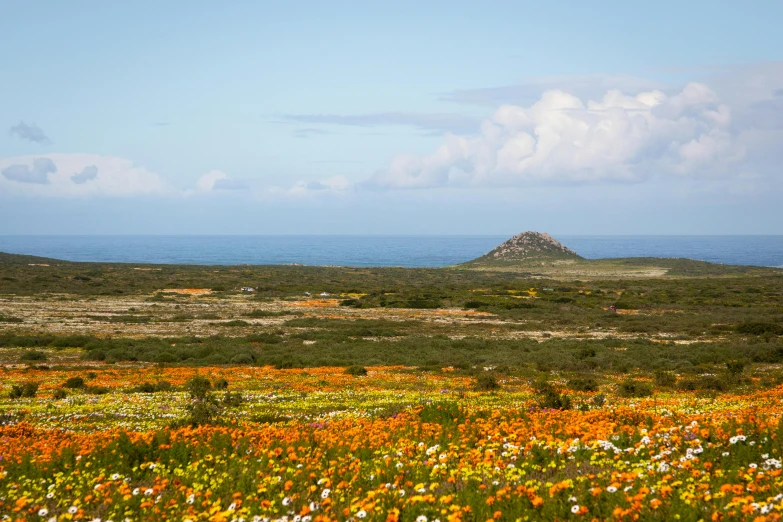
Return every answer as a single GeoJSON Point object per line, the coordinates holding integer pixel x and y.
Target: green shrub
{"type": "Point", "coordinates": [587, 384]}
{"type": "Point", "coordinates": [28, 389]}
{"type": "Point", "coordinates": [759, 328]}
{"type": "Point", "coordinates": [59, 394]}
{"type": "Point", "coordinates": [242, 358]}
{"type": "Point", "coordinates": [33, 355]}
{"type": "Point", "coordinates": [356, 371]}
{"type": "Point", "coordinates": [353, 303]}
{"type": "Point", "coordinates": [265, 338]}
{"type": "Point", "coordinates": [486, 382]}
{"type": "Point", "coordinates": [198, 387]}
{"type": "Point", "coordinates": [547, 397]}
{"type": "Point", "coordinates": [220, 383]}
{"type": "Point", "coordinates": [735, 367]}
{"type": "Point", "coordinates": [585, 353]}
{"type": "Point", "coordinates": [705, 383]}
{"type": "Point", "coordinates": [97, 390]}
{"type": "Point", "coordinates": [664, 379]}
{"type": "Point", "coordinates": [634, 388]}
{"type": "Point", "coordinates": [166, 357]}
{"type": "Point", "coordinates": [74, 383]}
{"type": "Point", "coordinates": [232, 400]}
{"type": "Point", "coordinates": [202, 412]}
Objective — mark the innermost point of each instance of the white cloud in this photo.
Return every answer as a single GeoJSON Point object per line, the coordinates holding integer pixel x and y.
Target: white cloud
{"type": "Point", "coordinates": [207, 182]}
{"type": "Point", "coordinates": [216, 180]}
{"type": "Point", "coordinates": [560, 138]}
{"type": "Point", "coordinates": [96, 176]}
{"type": "Point", "coordinates": [334, 184]}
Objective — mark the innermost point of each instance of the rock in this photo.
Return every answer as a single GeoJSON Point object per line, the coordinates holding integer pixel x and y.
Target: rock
{"type": "Point", "coordinates": [529, 246]}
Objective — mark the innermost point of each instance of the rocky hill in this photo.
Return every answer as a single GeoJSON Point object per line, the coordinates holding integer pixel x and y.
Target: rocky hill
{"type": "Point", "coordinates": [528, 246]}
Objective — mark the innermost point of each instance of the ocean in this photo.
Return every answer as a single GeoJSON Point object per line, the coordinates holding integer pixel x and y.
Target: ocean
{"type": "Point", "coordinates": [407, 251]}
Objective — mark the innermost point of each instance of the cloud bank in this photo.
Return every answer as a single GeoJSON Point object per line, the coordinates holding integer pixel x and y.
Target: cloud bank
{"type": "Point", "coordinates": [77, 175]}
{"type": "Point", "coordinates": [560, 138]}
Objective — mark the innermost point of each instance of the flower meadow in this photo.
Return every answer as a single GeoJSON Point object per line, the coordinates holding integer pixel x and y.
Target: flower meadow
{"type": "Point", "coordinates": [396, 444]}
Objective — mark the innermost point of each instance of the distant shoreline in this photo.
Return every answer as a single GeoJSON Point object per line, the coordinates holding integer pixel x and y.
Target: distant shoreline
{"type": "Point", "coordinates": [378, 250]}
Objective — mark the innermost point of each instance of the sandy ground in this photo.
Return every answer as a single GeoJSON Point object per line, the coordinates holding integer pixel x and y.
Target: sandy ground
{"type": "Point", "coordinates": [195, 312]}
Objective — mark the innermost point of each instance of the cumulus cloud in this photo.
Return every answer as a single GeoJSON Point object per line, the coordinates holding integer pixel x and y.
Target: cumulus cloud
{"type": "Point", "coordinates": [37, 173]}
{"type": "Point", "coordinates": [527, 92]}
{"type": "Point", "coordinates": [561, 138]}
{"type": "Point", "coordinates": [216, 180]}
{"type": "Point", "coordinates": [87, 174]}
{"type": "Point", "coordinates": [30, 132]}
{"type": "Point", "coordinates": [54, 176]}
{"type": "Point", "coordinates": [429, 122]}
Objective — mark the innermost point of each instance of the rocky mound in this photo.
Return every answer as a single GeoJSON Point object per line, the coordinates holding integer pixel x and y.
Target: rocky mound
{"type": "Point", "coordinates": [529, 246]}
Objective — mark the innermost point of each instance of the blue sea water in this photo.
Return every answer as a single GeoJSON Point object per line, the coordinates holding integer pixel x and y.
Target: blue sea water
{"type": "Point", "coordinates": [408, 251]}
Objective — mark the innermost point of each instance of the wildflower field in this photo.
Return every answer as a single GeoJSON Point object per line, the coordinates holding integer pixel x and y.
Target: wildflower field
{"type": "Point", "coordinates": [529, 401]}
{"type": "Point", "coordinates": [319, 444]}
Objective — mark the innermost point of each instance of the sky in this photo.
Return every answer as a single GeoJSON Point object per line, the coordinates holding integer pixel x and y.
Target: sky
{"type": "Point", "coordinates": [391, 117]}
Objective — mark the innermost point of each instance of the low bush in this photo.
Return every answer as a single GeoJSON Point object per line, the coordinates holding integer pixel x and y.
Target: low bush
{"type": "Point", "coordinates": [664, 379]}
{"type": "Point", "coordinates": [549, 398]}
{"type": "Point", "coordinates": [27, 389]}
{"type": "Point", "coordinates": [232, 399]}
{"type": "Point", "coordinates": [356, 371]}
{"type": "Point", "coordinates": [735, 367]}
{"type": "Point", "coordinates": [486, 382]}
{"type": "Point", "coordinates": [634, 388]}
{"type": "Point", "coordinates": [33, 355]}
{"type": "Point", "coordinates": [586, 384]}
{"type": "Point", "coordinates": [705, 383]}
{"type": "Point", "coordinates": [198, 387]}
{"type": "Point", "coordinates": [74, 383]}
{"type": "Point", "coordinates": [759, 328]}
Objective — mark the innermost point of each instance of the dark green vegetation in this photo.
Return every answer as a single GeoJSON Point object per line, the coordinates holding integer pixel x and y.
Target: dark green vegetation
{"type": "Point", "coordinates": [389, 316]}
{"type": "Point", "coordinates": [27, 275]}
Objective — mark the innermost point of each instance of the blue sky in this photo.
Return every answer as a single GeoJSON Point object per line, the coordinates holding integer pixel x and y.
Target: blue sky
{"type": "Point", "coordinates": [391, 118]}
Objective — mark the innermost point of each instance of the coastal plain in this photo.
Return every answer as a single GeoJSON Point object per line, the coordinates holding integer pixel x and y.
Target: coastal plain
{"type": "Point", "coordinates": [542, 388]}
